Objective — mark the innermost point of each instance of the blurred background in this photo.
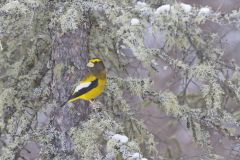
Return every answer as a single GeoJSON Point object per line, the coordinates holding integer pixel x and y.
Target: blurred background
{"type": "Point", "coordinates": [168, 131]}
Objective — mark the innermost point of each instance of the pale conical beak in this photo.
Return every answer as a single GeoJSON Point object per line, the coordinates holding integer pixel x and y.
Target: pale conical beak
{"type": "Point", "coordinates": [90, 64]}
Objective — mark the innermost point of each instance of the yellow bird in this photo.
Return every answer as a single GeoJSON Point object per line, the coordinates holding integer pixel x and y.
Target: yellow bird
{"type": "Point", "coordinates": [93, 84]}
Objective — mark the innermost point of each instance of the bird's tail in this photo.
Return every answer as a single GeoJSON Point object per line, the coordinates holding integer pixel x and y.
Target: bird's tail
{"type": "Point", "coordinates": [66, 101]}
{"type": "Point", "coordinates": [63, 103]}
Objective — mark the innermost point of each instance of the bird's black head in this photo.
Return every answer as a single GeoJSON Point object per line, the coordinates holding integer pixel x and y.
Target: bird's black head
{"type": "Point", "coordinates": [96, 66]}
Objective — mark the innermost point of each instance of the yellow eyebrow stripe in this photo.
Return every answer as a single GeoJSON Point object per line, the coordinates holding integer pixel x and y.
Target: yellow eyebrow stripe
{"type": "Point", "coordinates": [95, 60]}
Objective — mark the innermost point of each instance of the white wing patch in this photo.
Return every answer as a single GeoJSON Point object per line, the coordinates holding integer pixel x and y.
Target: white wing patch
{"type": "Point", "coordinates": [82, 85]}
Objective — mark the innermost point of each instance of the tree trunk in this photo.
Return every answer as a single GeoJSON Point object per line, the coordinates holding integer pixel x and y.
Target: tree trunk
{"type": "Point", "coordinates": [69, 58]}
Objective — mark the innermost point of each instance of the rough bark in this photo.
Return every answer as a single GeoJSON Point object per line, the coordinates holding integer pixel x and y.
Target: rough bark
{"type": "Point", "coordinates": [69, 58]}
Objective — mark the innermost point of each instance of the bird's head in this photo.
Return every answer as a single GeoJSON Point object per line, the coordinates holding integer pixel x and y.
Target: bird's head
{"type": "Point", "coordinates": [96, 65]}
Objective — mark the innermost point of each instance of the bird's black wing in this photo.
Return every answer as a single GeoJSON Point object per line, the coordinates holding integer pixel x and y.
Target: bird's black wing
{"type": "Point", "coordinates": [84, 90]}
